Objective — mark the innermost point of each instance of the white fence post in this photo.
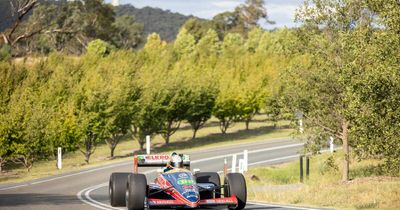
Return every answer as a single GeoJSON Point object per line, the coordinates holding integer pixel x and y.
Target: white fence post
{"type": "Point", "coordinates": [241, 166]}
{"type": "Point", "coordinates": [148, 144]}
{"type": "Point", "coordinates": [59, 158]}
{"type": "Point", "coordinates": [301, 126]}
{"type": "Point", "coordinates": [245, 159]}
{"type": "Point", "coordinates": [331, 145]}
{"type": "Point", "coordinates": [234, 157]}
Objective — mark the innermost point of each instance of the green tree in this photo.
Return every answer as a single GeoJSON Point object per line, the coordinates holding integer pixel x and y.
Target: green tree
{"type": "Point", "coordinates": [128, 32]}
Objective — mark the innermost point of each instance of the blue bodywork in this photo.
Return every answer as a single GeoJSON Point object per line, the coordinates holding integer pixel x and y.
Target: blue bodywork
{"type": "Point", "coordinates": [185, 184]}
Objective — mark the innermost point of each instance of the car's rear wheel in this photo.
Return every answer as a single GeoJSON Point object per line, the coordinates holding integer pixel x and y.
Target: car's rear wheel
{"type": "Point", "coordinates": [117, 189]}
{"type": "Point", "coordinates": [235, 184]}
{"type": "Point", "coordinates": [136, 192]}
{"type": "Point", "coordinates": [209, 177]}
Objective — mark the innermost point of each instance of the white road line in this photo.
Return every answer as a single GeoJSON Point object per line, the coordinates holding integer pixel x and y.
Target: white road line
{"type": "Point", "coordinates": [13, 187]}
{"type": "Point", "coordinates": [89, 200]}
{"type": "Point", "coordinates": [250, 152]}
{"type": "Point", "coordinates": [280, 206]}
{"type": "Point", "coordinates": [128, 163]}
{"type": "Point", "coordinates": [69, 175]}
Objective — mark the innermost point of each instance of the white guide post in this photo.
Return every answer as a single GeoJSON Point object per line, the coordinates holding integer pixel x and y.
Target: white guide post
{"type": "Point", "coordinates": [234, 157]}
{"type": "Point", "coordinates": [245, 159]}
{"type": "Point", "coordinates": [331, 145]}
{"type": "Point", "coordinates": [241, 166]}
{"type": "Point", "coordinates": [148, 144]}
{"type": "Point", "coordinates": [301, 126]}
{"type": "Point", "coordinates": [59, 158]}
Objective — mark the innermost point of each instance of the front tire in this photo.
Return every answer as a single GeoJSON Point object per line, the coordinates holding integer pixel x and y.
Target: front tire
{"type": "Point", "coordinates": [117, 189]}
{"type": "Point", "coordinates": [209, 177]}
{"type": "Point", "coordinates": [235, 184]}
{"type": "Point", "coordinates": [136, 192]}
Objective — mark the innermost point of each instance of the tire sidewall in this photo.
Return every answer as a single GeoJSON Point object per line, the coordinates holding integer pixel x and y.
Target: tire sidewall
{"type": "Point", "coordinates": [136, 192]}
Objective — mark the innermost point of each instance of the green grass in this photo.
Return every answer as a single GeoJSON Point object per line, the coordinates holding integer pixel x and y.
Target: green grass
{"type": "Point", "coordinates": [209, 136]}
{"type": "Point", "coordinates": [368, 188]}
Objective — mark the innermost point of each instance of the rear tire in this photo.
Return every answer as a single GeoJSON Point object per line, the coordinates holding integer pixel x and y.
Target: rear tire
{"type": "Point", "coordinates": [136, 192]}
{"type": "Point", "coordinates": [117, 189]}
{"type": "Point", "coordinates": [209, 177]}
{"type": "Point", "coordinates": [235, 184]}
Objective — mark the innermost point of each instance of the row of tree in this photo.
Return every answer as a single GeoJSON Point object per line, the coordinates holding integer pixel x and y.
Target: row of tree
{"type": "Point", "coordinates": [108, 93]}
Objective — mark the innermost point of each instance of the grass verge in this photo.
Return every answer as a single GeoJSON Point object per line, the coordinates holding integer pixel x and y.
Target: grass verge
{"type": "Point", "coordinates": [207, 137]}
{"type": "Point", "coordinates": [368, 189]}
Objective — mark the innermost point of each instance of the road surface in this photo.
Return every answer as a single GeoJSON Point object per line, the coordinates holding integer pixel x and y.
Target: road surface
{"type": "Point", "coordinates": [88, 189]}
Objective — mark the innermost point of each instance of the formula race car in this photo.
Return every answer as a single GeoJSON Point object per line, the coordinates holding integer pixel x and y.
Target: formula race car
{"type": "Point", "coordinates": [176, 186]}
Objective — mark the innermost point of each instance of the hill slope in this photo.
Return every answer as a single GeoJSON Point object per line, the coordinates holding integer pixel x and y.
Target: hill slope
{"type": "Point", "coordinates": [163, 22]}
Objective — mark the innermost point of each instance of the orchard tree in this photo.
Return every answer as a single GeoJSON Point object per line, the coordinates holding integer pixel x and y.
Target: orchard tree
{"type": "Point", "coordinates": [323, 89]}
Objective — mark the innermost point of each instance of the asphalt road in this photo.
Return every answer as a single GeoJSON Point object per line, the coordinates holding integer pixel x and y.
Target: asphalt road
{"type": "Point", "coordinates": [88, 189]}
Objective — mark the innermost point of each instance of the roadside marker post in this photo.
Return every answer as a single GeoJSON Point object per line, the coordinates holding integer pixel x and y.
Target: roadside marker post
{"type": "Point", "coordinates": [59, 158]}
{"type": "Point", "coordinates": [331, 145]}
{"type": "Point", "coordinates": [241, 166]}
{"type": "Point", "coordinates": [245, 159]}
{"type": "Point", "coordinates": [148, 144]}
{"type": "Point", "coordinates": [301, 126]}
{"type": "Point", "coordinates": [234, 157]}
{"type": "Point", "coordinates": [301, 169]}
{"type": "Point", "coordinates": [307, 167]}
{"type": "Point", "coordinates": [135, 164]}
{"type": "Point", "coordinates": [225, 167]}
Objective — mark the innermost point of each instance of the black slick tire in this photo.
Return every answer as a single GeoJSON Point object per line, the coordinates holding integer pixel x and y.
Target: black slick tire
{"type": "Point", "coordinates": [235, 184]}
{"type": "Point", "coordinates": [209, 177]}
{"type": "Point", "coordinates": [117, 189]}
{"type": "Point", "coordinates": [136, 192]}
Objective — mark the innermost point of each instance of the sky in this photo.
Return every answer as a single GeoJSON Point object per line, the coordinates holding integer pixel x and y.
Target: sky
{"type": "Point", "coordinates": [280, 11]}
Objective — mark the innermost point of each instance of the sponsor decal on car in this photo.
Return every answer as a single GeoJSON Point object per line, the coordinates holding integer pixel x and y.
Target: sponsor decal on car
{"type": "Point", "coordinates": [156, 157]}
{"type": "Point", "coordinates": [183, 175]}
{"type": "Point", "coordinates": [185, 182]}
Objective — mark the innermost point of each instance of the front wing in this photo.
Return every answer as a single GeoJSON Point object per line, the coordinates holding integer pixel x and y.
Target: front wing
{"type": "Point", "coordinates": [229, 201]}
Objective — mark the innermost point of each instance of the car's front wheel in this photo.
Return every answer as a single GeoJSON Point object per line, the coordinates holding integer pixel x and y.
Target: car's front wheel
{"type": "Point", "coordinates": [235, 184]}
{"type": "Point", "coordinates": [136, 192]}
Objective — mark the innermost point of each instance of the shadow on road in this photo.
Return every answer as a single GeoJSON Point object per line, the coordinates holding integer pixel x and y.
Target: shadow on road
{"type": "Point", "coordinates": [11, 200]}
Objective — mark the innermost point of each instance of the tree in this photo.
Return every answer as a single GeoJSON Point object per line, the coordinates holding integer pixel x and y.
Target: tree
{"type": "Point", "coordinates": [122, 99]}
{"type": "Point", "coordinates": [200, 109]}
{"type": "Point", "coordinates": [128, 32]}
{"type": "Point", "coordinates": [322, 89]}
{"type": "Point", "coordinates": [243, 19]}
{"type": "Point", "coordinates": [184, 44]}
{"type": "Point", "coordinates": [19, 10]}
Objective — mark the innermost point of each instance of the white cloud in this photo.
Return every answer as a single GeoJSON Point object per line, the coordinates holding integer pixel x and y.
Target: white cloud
{"type": "Point", "coordinates": [226, 4]}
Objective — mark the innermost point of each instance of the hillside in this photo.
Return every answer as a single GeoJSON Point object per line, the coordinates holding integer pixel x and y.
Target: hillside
{"type": "Point", "coordinates": [163, 22]}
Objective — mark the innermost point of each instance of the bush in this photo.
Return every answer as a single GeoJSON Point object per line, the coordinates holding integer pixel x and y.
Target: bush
{"type": "Point", "coordinates": [99, 47]}
{"type": "Point", "coordinates": [5, 52]}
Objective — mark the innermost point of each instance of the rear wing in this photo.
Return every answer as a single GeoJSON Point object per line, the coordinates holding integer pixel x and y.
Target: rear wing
{"type": "Point", "coordinates": [156, 160]}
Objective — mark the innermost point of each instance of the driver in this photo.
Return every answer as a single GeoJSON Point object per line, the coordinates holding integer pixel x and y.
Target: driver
{"type": "Point", "coordinates": [174, 162]}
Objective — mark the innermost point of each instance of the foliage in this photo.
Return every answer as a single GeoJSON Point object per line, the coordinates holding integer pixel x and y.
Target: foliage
{"type": "Point", "coordinates": [5, 52]}
{"type": "Point", "coordinates": [99, 47]}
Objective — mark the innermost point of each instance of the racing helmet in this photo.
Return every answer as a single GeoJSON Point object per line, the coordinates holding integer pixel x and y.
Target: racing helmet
{"type": "Point", "coordinates": [176, 161]}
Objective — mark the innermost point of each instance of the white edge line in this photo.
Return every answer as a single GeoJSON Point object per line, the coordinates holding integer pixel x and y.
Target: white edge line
{"type": "Point", "coordinates": [95, 203]}
{"type": "Point", "coordinates": [69, 175]}
{"type": "Point", "coordinates": [128, 163]}
{"type": "Point", "coordinates": [281, 206]}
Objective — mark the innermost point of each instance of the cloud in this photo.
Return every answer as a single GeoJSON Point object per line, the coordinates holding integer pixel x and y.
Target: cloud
{"type": "Point", "coordinates": [226, 4]}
